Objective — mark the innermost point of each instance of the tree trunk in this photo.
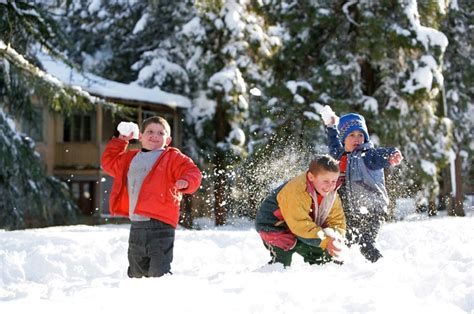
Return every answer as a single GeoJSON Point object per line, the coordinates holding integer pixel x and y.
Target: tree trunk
{"type": "Point", "coordinates": [219, 165]}
{"type": "Point", "coordinates": [219, 190]}
{"type": "Point", "coordinates": [187, 211]}
{"type": "Point", "coordinates": [459, 195]}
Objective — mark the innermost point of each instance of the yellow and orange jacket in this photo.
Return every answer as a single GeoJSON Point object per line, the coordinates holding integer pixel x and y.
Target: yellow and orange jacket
{"type": "Point", "coordinates": [291, 212]}
{"type": "Point", "coordinates": [158, 199]}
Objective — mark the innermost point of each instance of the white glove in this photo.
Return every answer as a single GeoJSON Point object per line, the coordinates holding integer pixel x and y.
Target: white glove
{"type": "Point", "coordinates": [125, 128]}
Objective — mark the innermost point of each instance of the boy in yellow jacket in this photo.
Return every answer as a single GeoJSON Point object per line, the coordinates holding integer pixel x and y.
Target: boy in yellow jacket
{"type": "Point", "coordinates": [304, 216]}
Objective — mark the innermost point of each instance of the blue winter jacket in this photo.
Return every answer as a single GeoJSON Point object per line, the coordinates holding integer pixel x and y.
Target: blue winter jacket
{"type": "Point", "coordinates": [364, 187]}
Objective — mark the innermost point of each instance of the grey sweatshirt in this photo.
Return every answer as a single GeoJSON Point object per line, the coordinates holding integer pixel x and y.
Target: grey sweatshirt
{"type": "Point", "coordinates": [139, 168]}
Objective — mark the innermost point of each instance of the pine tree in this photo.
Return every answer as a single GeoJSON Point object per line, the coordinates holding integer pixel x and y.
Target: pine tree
{"type": "Point", "coordinates": [459, 76]}
{"type": "Point", "coordinates": [30, 198]}
{"type": "Point", "coordinates": [213, 57]}
{"type": "Point", "coordinates": [375, 58]}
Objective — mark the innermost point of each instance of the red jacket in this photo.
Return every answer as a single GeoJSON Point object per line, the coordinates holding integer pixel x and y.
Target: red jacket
{"type": "Point", "coordinates": [158, 198]}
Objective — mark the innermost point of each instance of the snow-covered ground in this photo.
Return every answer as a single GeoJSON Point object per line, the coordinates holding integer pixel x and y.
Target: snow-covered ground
{"type": "Point", "coordinates": [427, 268]}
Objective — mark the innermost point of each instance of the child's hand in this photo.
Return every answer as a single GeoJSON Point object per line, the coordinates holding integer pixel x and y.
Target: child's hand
{"type": "Point", "coordinates": [334, 247]}
{"type": "Point", "coordinates": [332, 121]}
{"type": "Point", "coordinates": [181, 184]}
{"type": "Point", "coordinates": [395, 159]}
{"type": "Point", "coordinates": [126, 138]}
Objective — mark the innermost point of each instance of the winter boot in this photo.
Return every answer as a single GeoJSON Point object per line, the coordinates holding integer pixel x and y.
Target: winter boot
{"type": "Point", "coordinates": [370, 252]}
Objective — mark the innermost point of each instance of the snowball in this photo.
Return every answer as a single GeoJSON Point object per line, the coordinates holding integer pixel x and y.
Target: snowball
{"type": "Point", "coordinates": [125, 128]}
{"type": "Point", "coordinates": [321, 234]}
{"type": "Point", "coordinates": [327, 114]}
{"type": "Point", "coordinates": [338, 243]}
{"type": "Point", "coordinates": [330, 232]}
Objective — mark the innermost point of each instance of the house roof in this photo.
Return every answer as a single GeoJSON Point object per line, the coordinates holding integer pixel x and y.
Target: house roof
{"type": "Point", "coordinates": [105, 88]}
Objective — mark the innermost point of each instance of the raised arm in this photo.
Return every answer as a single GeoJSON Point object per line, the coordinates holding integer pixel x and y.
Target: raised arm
{"type": "Point", "coordinates": [112, 155]}
{"type": "Point", "coordinates": [335, 146]}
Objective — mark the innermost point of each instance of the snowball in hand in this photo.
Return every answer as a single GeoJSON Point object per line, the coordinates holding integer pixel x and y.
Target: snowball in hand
{"type": "Point", "coordinates": [125, 128]}
{"type": "Point", "coordinates": [327, 113]}
{"type": "Point", "coordinates": [338, 243]}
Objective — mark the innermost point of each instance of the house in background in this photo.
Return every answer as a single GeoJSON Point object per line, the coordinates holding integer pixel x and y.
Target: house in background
{"type": "Point", "coordinates": [71, 146]}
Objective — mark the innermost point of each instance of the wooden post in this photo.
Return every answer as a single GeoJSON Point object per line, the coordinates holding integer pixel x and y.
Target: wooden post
{"type": "Point", "coordinates": [99, 134]}
{"type": "Point", "coordinates": [459, 193]}
{"type": "Point", "coordinates": [219, 165]}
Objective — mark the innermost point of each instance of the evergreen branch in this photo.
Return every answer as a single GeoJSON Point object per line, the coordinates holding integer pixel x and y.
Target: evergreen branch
{"type": "Point", "coordinates": [71, 92]}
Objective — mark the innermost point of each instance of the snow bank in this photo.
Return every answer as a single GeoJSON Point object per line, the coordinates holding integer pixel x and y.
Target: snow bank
{"type": "Point", "coordinates": [427, 268]}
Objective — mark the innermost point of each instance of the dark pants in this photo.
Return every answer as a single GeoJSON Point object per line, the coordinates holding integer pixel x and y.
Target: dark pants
{"type": "Point", "coordinates": [310, 254]}
{"type": "Point", "coordinates": [150, 249]}
{"type": "Point", "coordinates": [362, 229]}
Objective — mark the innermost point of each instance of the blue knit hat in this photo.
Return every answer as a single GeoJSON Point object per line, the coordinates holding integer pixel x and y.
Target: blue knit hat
{"type": "Point", "coordinates": [352, 122]}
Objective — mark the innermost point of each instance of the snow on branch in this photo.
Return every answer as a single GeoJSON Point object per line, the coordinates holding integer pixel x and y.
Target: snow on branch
{"type": "Point", "coordinates": [10, 54]}
{"type": "Point", "coordinates": [345, 9]}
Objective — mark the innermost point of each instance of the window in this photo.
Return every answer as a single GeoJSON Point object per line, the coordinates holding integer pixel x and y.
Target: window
{"type": "Point", "coordinates": [34, 129]}
{"type": "Point", "coordinates": [79, 128]}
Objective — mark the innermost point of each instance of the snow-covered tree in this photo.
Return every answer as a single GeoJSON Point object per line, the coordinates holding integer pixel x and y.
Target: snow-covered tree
{"type": "Point", "coordinates": [30, 198]}
{"type": "Point", "coordinates": [459, 94]}
{"type": "Point", "coordinates": [215, 56]}
{"type": "Point", "coordinates": [376, 58]}
{"type": "Point", "coordinates": [259, 70]}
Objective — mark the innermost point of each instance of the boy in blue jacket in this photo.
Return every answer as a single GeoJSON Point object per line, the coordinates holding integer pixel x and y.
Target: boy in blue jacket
{"type": "Point", "coordinates": [362, 182]}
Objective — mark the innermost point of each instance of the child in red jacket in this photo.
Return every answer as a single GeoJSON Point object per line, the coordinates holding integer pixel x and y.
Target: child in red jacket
{"type": "Point", "coordinates": [148, 187]}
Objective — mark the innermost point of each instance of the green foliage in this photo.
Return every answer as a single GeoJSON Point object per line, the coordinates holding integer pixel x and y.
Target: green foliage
{"type": "Point", "coordinates": [30, 198]}
{"type": "Point", "coordinates": [357, 56]}
{"type": "Point", "coordinates": [23, 24]}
